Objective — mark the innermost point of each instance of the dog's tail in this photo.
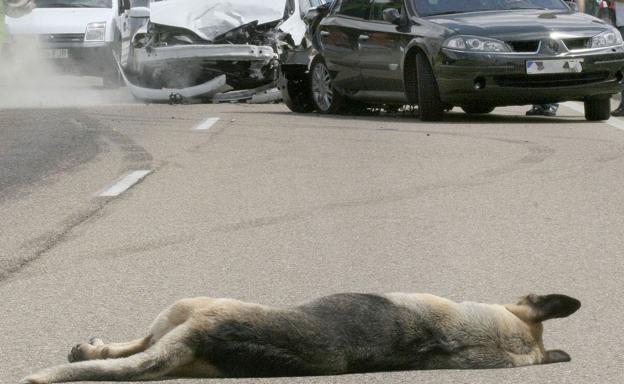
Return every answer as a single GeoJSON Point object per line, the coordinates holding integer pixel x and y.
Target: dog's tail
{"type": "Point", "coordinates": [166, 355]}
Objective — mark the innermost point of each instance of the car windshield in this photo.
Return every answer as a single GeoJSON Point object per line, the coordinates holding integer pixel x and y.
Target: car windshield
{"type": "Point", "coordinates": [74, 3]}
{"type": "Point", "coordinates": [445, 7]}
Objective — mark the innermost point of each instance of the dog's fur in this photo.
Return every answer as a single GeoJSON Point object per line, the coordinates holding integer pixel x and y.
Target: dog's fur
{"type": "Point", "coordinates": [339, 334]}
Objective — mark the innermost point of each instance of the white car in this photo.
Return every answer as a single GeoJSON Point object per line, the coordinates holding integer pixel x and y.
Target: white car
{"type": "Point", "coordinates": [77, 36]}
{"type": "Point", "coordinates": [219, 50]}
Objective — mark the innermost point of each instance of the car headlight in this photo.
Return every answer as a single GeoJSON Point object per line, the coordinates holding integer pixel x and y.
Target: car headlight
{"type": "Point", "coordinates": [476, 44]}
{"type": "Point", "coordinates": [607, 39]}
{"type": "Point", "coordinates": [96, 31]}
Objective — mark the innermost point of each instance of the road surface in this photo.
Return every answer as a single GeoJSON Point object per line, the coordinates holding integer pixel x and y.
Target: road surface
{"type": "Point", "coordinates": [260, 204]}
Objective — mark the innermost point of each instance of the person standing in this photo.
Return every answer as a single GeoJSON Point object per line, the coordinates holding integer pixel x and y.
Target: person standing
{"type": "Point", "coordinates": [619, 23]}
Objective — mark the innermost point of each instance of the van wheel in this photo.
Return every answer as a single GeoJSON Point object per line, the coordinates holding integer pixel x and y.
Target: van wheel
{"type": "Point", "coordinates": [297, 93]}
{"type": "Point", "coordinates": [325, 97]}
{"type": "Point", "coordinates": [430, 106]}
{"type": "Point", "coordinates": [597, 108]}
{"type": "Point", "coordinates": [477, 109]}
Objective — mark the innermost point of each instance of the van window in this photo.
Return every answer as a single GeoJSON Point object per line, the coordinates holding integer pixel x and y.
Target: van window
{"type": "Point", "coordinates": [74, 3]}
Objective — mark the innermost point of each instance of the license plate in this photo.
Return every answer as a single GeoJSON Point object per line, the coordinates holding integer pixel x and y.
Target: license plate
{"type": "Point", "coordinates": [538, 67]}
{"type": "Point", "coordinates": [55, 53]}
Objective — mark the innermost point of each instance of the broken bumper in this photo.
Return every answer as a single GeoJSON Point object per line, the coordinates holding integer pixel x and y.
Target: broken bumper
{"type": "Point", "coordinates": [209, 53]}
{"type": "Point", "coordinates": [175, 95]}
{"type": "Point", "coordinates": [182, 58]}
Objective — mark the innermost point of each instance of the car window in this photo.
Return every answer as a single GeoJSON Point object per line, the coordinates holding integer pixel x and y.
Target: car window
{"type": "Point", "coordinates": [378, 7]}
{"type": "Point", "coordinates": [353, 8]}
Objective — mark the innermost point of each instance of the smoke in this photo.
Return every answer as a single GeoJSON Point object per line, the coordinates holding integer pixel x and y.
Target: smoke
{"type": "Point", "coordinates": [31, 78]}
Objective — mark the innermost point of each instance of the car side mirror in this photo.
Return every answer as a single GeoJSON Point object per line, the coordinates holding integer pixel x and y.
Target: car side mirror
{"type": "Point", "coordinates": [572, 5]}
{"type": "Point", "coordinates": [139, 12]}
{"type": "Point", "coordinates": [392, 15]}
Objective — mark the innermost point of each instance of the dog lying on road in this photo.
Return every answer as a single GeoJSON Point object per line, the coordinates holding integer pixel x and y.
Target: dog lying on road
{"type": "Point", "coordinates": [338, 334]}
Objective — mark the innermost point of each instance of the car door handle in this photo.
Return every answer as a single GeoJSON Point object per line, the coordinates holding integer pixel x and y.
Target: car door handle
{"type": "Point", "coordinates": [324, 33]}
{"type": "Point", "coordinates": [363, 37]}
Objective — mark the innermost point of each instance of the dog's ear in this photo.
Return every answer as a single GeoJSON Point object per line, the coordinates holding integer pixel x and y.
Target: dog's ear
{"type": "Point", "coordinates": [556, 356]}
{"type": "Point", "coordinates": [535, 308]}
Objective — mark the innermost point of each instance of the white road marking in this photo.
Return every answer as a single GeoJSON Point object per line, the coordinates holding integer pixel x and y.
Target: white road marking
{"type": "Point", "coordinates": [206, 124]}
{"type": "Point", "coordinates": [614, 121]}
{"type": "Point", "coordinates": [124, 183]}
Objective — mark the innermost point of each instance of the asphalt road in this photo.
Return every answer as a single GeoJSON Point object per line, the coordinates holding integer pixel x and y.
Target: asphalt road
{"type": "Point", "coordinates": [273, 207]}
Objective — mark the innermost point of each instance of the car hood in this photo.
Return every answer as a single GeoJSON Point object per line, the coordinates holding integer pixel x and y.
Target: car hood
{"type": "Point", "coordinates": [211, 18]}
{"type": "Point", "coordinates": [56, 20]}
{"type": "Point", "coordinates": [521, 24]}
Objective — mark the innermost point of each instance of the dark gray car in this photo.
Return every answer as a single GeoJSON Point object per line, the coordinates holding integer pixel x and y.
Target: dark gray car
{"type": "Point", "coordinates": [476, 54]}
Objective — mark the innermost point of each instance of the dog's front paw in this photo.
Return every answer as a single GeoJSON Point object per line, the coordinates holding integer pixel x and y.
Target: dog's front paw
{"type": "Point", "coordinates": [78, 353]}
{"type": "Point", "coordinates": [32, 379]}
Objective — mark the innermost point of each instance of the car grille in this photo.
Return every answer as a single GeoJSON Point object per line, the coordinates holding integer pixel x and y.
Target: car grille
{"type": "Point", "coordinates": [524, 46]}
{"type": "Point", "coordinates": [573, 44]}
{"type": "Point", "coordinates": [549, 81]}
{"type": "Point", "coordinates": [62, 38]}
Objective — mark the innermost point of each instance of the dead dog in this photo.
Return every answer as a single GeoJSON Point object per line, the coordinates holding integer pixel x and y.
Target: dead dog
{"type": "Point", "coordinates": [338, 334]}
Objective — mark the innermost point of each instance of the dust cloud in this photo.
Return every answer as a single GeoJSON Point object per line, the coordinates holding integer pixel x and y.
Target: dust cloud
{"type": "Point", "coordinates": [29, 79]}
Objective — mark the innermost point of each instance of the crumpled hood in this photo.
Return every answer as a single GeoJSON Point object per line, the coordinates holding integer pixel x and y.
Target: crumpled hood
{"type": "Point", "coordinates": [520, 25]}
{"type": "Point", "coordinates": [211, 18]}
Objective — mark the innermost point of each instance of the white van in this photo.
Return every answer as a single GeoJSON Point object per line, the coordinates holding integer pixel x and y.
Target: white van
{"type": "Point", "coordinates": [77, 36]}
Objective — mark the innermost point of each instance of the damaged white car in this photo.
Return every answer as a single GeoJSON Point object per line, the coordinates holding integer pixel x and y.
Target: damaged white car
{"type": "Point", "coordinates": [210, 49]}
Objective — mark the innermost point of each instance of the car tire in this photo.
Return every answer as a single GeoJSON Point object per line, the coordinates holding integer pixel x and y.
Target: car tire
{"type": "Point", "coordinates": [325, 97]}
{"type": "Point", "coordinates": [430, 105]}
{"type": "Point", "coordinates": [477, 109]}
{"type": "Point", "coordinates": [598, 108]}
{"type": "Point", "coordinates": [297, 94]}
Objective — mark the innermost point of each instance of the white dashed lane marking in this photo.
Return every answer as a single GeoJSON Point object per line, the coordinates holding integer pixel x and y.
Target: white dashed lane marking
{"type": "Point", "coordinates": [124, 183]}
{"type": "Point", "coordinates": [614, 121]}
{"type": "Point", "coordinates": [206, 124]}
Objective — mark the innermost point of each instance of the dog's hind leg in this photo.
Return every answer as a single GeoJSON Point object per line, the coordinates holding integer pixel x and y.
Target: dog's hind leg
{"type": "Point", "coordinates": [167, 320]}
{"type": "Point", "coordinates": [166, 356]}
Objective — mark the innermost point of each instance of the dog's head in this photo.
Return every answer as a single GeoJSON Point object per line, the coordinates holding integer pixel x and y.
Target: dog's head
{"type": "Point", "coordinates": [534, 309]}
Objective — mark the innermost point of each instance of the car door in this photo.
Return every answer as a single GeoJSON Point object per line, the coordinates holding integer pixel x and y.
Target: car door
{"type": "Point", "coordinates": [123, 26]}
{"type": "Point", "coordinates": [338, 34]}
{"type": "Point", "coordinates": [382, 47]}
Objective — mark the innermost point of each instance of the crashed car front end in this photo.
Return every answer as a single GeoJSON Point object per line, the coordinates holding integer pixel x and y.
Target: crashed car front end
{"type": "Point", "coordinates": [188, 43]}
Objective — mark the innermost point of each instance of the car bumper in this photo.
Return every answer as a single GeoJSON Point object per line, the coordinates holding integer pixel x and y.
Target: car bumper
{"type": "Point", "coordinates": [204, 53]}
{"type": "Point", "coordinates": [498, 80]}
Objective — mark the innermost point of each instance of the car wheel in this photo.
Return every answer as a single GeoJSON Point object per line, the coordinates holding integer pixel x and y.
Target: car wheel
{"type": "Point", "coordinates": [477, 109]}
{"type": "Point", "coordinates": [430, 106]}
{"type": "Point", "coordinates": [598, 108]}
{"type": "Point", "coordinates": [297, 94]}
{"type": "Point", "coordinates": [325, 97]}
